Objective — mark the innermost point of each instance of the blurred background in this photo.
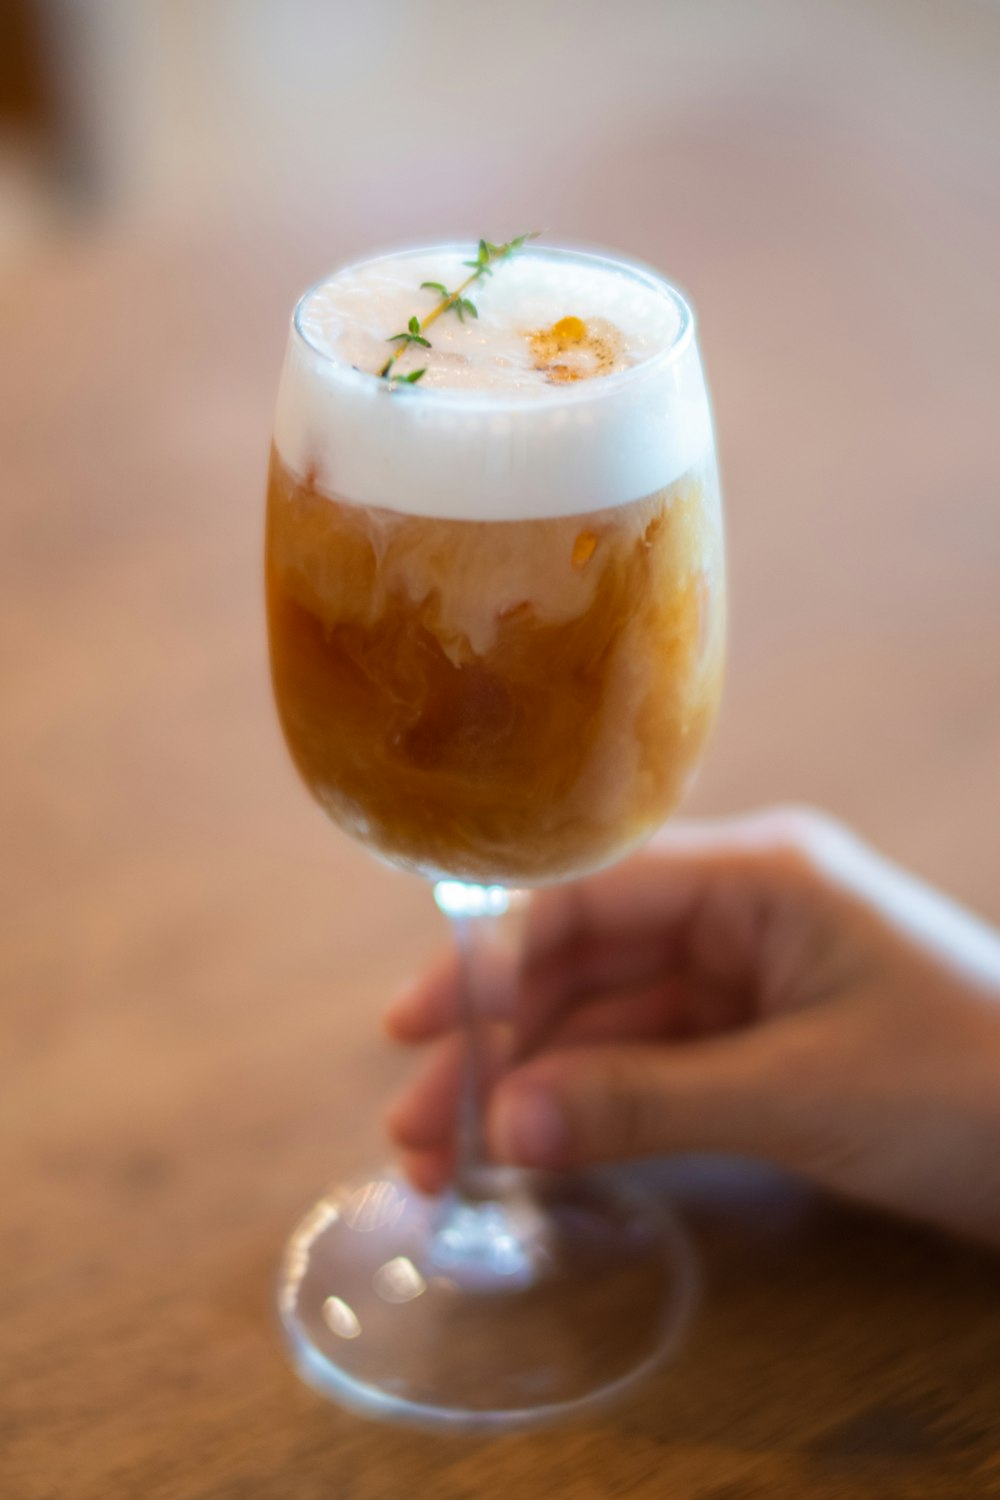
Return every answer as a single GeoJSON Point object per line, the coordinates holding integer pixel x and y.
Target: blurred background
{"type": "Point", "coordinates": [191, 957]}
{"type": "Point", "coordinates": [823, 179]}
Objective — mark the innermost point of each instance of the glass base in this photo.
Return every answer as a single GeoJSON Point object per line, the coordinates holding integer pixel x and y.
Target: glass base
{"type": "Point", "coordinates": [535, 1301]}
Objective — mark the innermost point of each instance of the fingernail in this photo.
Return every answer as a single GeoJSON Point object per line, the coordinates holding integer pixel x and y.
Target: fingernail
{"type": "Point", "coordinates": [529, 1128]}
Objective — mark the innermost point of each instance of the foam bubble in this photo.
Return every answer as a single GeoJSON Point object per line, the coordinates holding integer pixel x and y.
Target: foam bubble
{"type": "Point", "coordinates": [486, 434]}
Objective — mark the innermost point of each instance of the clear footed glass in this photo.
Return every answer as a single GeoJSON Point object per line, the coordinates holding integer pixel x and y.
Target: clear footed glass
{"type": "Point", "coordinates": [480, 1316]}
{"type": "Point", "coordinates": [496, 623]}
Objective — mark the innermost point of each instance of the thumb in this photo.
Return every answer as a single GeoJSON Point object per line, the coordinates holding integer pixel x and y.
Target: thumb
{"type": "Point", "coordinates": [739, 1093]}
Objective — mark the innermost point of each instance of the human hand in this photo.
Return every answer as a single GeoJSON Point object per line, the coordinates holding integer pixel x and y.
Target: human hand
{"type": "Point", "coordinates": [767, 986]}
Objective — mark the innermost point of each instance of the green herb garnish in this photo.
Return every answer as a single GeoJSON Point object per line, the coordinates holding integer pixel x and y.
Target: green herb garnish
{"type": "Point", "coordinates": [488, 255]}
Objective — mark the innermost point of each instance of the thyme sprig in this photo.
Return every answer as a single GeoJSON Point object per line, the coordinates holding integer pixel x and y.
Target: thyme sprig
{"type": "Point", "coordinates": [488, 256]}
{"type": "Point", "coordinates": [461, 305]}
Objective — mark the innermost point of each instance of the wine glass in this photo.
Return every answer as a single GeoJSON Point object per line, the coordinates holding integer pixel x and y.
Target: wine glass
{"type": "Point", "coordinates": [496, 622]}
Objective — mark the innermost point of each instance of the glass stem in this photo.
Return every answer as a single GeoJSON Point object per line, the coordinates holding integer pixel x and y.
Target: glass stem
{"type": "Point", "coordinates": [486, 964]}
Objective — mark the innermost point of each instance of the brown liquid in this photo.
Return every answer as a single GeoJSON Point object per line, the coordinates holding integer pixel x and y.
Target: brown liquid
{"type": "Point", "coordinates": [510, 701]}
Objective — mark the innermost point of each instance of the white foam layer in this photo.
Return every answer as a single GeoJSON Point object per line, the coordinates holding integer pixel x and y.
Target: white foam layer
{"type": "Point", "coordinates": [485, 435]}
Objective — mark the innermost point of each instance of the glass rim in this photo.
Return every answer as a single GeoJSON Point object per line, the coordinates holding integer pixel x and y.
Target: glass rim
{"type": "Point", "coordinates": [570, 394]}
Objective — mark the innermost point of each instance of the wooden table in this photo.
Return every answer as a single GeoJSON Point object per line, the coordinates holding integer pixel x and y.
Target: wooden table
{"type": "Point", "coordinates": [193, 961]}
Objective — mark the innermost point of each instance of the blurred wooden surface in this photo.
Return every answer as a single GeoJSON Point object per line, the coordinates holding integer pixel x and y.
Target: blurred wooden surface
{"type": "Point", "coordinates": [192, 962]}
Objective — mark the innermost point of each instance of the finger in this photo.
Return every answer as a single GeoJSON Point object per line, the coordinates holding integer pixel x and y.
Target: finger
{"type": "Point", "coordinates": [431, 1007]}
{"type": "Point", "coordinates": [645, 1012]}
{"type": "Point", "coordinates": [430, 1172]}
{"type": "Point", "coordinates": [629, 897]}
{"type": "Point", "coordinates": [553, 986]}
{"type": "Point", "coordinates": [665, 1010]}
{"type": "Point", "coordinates": [576, 1106]}
{"type": "Point", "coordinates": [423, 1115]}
{"type": "Point", "coordinates": [661, 884]}
{"type": "Point", "coordinates": [428, 1007]}
{"type": "Point", "coordinates": [433, 1004]}
{"type": "Point", "coordinates": [620, 929]}
{"type": "Point", "coordinates": [701, 897]}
